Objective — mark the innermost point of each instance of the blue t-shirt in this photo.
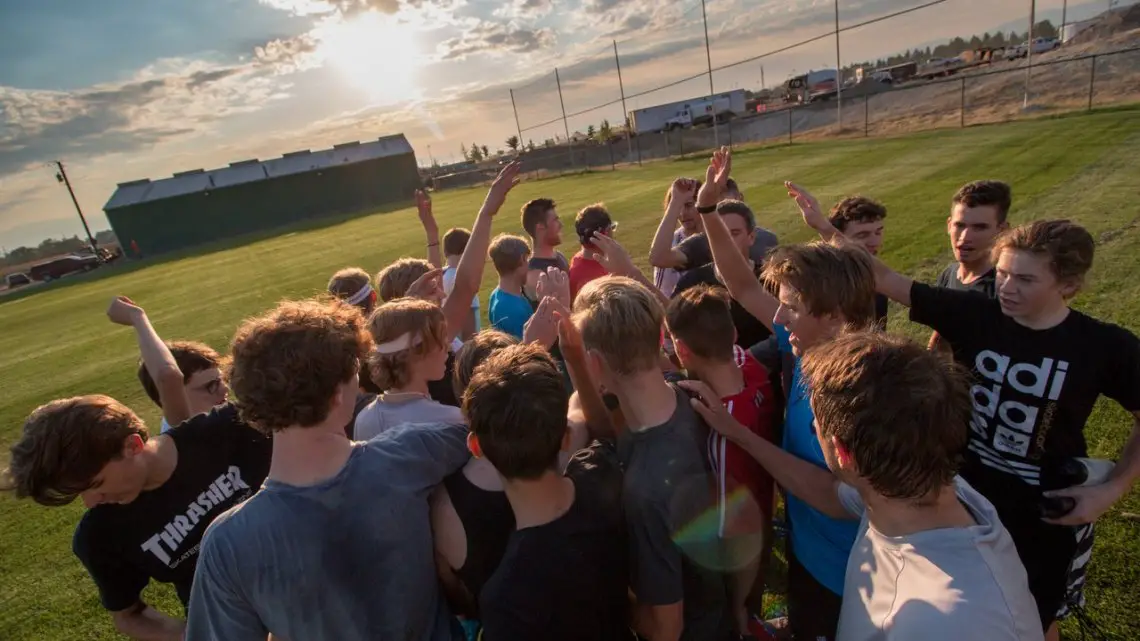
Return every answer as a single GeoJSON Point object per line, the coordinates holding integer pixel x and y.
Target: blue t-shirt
{"type": "Point", "coordinates": [508, 312]}
{"type": "Point", "coordinates": [822, 544]}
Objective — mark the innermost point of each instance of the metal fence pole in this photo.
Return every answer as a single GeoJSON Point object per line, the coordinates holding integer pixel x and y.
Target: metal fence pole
{"type": "Point", "coordinates": [962, 104]}
{"type": "Point", "coordinates": [565, 123]}
{"type": "Point", "coordinates": [1092, 81]}
{"type": "Point", "coordinates": [789, 125]}
{"type": "Point", "coordinates": [866, 115]}
{"type": "Point", "coordinates": [613, 165]}
{"type": "Point", "coordinates": [838, 76]}
{"type": "Point", "coordinates": [708, 58]}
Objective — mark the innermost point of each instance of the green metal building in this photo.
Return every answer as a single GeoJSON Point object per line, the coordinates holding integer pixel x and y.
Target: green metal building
{"type": "Point", "coordinates": [196, 207]}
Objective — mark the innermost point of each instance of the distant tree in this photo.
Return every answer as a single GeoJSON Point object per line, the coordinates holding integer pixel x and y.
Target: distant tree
{"type": "Point", "coordinates": [606, 132]}
{"type": "Point", "coordinates": [486, 154]}
{"type": "Point", "coordinates": [590, 132]}
{"type": "Point", "coordinates": [513, 143]}
{"type": "Point", "coordinates": [463, 152]}
{"type": "Point", "coordinates": [1044, 29]}
{"type": "Point", "coordinates": [530, 145]}
{"type": "Point", "coordinates": [975, 42]}
{"type": "Point", "coordinates": [548, 143]}
{"type": "Point", "coordinates": [476, 153]}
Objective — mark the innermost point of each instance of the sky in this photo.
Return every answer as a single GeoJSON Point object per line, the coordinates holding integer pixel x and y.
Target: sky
{"type": "Point", "coordinates": [121, 90]}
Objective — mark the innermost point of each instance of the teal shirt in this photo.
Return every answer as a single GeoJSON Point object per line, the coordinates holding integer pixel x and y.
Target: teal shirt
{"type": "Point", "coordinates": [508, 312]}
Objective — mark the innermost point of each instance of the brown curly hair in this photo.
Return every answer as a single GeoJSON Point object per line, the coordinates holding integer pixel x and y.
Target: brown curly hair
{"type": "Point", "coordinates": [65, 444]}
{"type": "Point", "coordinates": [285, 366]}
{"type": "Point", "coordinates": [856, 209]}
{"type": "Point", "coordinates": [390, 321]}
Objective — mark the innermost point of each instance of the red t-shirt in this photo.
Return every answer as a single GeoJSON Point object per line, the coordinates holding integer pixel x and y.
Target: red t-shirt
{"type": "Point", "coordinates": [582, 271]}
{"type": "Point", "coordinates": [742, 483]}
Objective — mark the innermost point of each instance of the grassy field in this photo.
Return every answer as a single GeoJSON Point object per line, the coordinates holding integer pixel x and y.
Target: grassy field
{"type": "Point", "coordinates": [58, 343]}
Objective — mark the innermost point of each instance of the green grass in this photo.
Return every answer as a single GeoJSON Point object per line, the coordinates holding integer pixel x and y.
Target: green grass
{"type": "Point", "coordinates": [58, 342]}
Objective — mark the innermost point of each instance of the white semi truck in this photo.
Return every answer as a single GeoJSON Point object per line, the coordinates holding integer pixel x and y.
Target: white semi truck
{"type": "Point", "coordinates": [687, 113]}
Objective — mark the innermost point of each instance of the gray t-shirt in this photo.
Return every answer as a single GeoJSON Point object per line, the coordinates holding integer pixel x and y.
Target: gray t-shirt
{"type": "Point", "coordinates": [698, 252]}
{"type": "Point", "coordinates": [940, 585]}
{"type": "Point", "coordinates": [348, 558]}
{"type": "Point", "coordinates": [382, 414]}
{"type": "Point", "coordinates": [674, 554]}
{"type": "Point", "coordinates": [986, 283]}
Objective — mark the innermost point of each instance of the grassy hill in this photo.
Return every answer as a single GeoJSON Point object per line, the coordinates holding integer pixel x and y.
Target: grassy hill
{"type": "Point", "coordinates": [57, 342]}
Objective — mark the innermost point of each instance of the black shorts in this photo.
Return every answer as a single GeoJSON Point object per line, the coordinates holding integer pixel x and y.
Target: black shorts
{"type": "Point", "coordinates": [813, 610]}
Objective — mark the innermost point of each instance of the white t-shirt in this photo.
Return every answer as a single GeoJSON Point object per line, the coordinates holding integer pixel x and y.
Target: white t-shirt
{"type": "Point", "coordinates": [382, 415]}
{"type": "Point", "coordinates": [666, 279]}
{"type": "Point", "coordinates": [947, 584]}
{"type": "Point", "coordinates": [449, 284]}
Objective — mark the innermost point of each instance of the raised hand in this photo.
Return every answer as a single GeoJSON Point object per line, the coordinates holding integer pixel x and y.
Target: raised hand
{"type": "Point", "coordinates": [809, 207]}
{"type": "Point", "coordinates": [503, 184]}
{"type": "Point", "coordinates": [555, 283]}
{"type": "Point", "coordinates": [124, 311]}
{"type": "Point", "coordinates": [612, 256]}
{"type": "Point", "coordinates": [428, 287]}
{"type": "Point", "coordinates": [423, 207]}
{"type": "Point", "coordinates": [682, 189]}
{"type": "Point", "coordinates": [716, 177]}
{"type": "Point", "coordinates": [569, 338]}
{"type": "Point", "coordinates": [542, 326]}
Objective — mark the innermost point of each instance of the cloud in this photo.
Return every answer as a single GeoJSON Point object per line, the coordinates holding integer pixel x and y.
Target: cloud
{"type": "Point", "coordinates": [123, 117]}
{"type": "Point", "coordinates": [288, 54]}
{"type": "Point", "coordinates": [496, 38]}
{"type": "Point", "coordinates": [352, 7]}
{"type": "Point", "coordinates": [527, 9]}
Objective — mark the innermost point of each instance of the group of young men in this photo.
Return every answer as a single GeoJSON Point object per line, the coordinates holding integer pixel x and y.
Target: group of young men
{"type": "Point", "coordinates": [601, 462]}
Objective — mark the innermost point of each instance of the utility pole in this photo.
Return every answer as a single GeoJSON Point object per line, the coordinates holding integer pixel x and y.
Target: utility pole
{"type": "Point", "coordinates": [708, 57]}
{"type": "Point", "coordinates": [1029, 51]}
{"type": "Point", "coordinates": [61, 176]}
{"type": "Point", "coordinates": [517, 126]}
{"type": "Point", "coordinates": [838, 76]}
{"type": "Point", "coordinates": [565, 123]}
{"type": "Point", "coordinates": [762, 85]}
{"type": "Point", "coordinates": [625, 114]}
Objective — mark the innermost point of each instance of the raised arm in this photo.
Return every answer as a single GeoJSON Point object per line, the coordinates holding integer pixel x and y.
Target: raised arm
{"type": "Point", "coordinates": [818, 488]}
{"type": "Point", "coordinates": [431, 229]}
{"type": "Point", "coordinates": [888, 282]}
{"type": "Point", "coordinates": [599, 423]}
{"type": "Point", "coordinates": [469, 273]}
{"type": "Point", "coordinates": [617, 262]}
{"type": "Point", "coordinates": [156, 356]}
{"type": "Point", "coordinates": [662, 253]}
{"type": "Point", "coordinates": [733, 267]}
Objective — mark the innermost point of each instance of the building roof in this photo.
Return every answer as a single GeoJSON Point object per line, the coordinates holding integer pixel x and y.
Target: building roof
{"type": "Point", "coordinates": [246, 171]}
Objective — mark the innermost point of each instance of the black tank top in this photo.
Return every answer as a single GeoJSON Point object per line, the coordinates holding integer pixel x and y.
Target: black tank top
{"type": "Point", "coordinates": [488, 522]}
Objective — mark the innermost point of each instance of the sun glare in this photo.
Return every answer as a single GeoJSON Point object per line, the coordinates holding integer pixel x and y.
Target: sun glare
{"type": "Point", "coordinates": [375, 53]}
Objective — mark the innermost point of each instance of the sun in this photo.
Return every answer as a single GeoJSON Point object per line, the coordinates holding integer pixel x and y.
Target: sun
{"type": "Point", "coordinates": [374, 53]}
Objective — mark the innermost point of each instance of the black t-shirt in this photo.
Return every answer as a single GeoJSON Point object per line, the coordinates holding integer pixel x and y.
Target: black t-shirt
{"type": "Point", "coordinates": [221, 462]}
{"type": "Point", "coordinates": [567, 579]}
{"type": "Point", "coordinates": [986, 283]}
{"type": "Point", "coordinates": [698, 252]}
{"type": "Point", "coordinates": [541, 264]}
{"type": "Point", "coordinates": [669, 493]}
{"type": "Point", "coordinates": [1033, 389]}
{"type": "Point", "coordinates": [442, 391]}
{"type": "Point", "coordinates": [749, 329]}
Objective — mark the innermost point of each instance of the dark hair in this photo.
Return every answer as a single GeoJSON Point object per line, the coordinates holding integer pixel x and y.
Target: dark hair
{"type": "Point", "coordinates": [475, 351]}
{"type": "Point", "coordinates": [982, 193]}
{"type": "Point", "coordinates": [591, 219]}
{"type": "Point", "coordinates": [285, 366]}
{"type": "Point", "coordinates": [1067, 246]}
{"type": "Point", "coordinates": [455, 241]}
{"type": "Point", "coordinates": [830, 279]}
{"type": "Point", "coordinates": [534, 214]}
{"type": "Point", "coordinates": [701, 316]}
{"type": "Point", "coordinates": [730, 185]}
{"type": "Point", "coordinates": [737, 207]}
{"type": "Point", "coordinates": [900, 410]}
{"type": "Point", "coordinates": [856, 209]}
{"type": "Point", "coordinates": [66, 443]}
{"type": "Point", "coordinates": [191, 357]}
{"type": "Point", "coordinates": [516, 404]}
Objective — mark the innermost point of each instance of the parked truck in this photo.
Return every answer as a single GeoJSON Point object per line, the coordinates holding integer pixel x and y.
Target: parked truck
{"type": "Point", "coordinates": [811, 86]}
{"type": "Point", "coordinates": [688, 113]}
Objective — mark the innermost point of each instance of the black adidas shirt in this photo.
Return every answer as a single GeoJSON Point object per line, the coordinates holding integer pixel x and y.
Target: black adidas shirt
{"type": "Point", "coordinates": [221, 462]}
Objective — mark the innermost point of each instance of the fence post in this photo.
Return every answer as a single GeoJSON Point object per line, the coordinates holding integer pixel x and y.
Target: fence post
{"type": "Point", "coordinates": [668, 147]}
{"type": "Point", "coordinates": [613, 165]}
{"type": "Point", "coordinates": [638, 141]}
{"type": "Point", "coordinates": [789, 124]}
{"type": "Point", "coordinates": [681, 142]}
{"type": "Point", "coordinates": [1092, 81]}
{"type": "Point", "coordinates": [962, 103]}
{"type": "Point", "coordinates": [866, 115]}
{"type": "Point", "coordinates": [729, 121]}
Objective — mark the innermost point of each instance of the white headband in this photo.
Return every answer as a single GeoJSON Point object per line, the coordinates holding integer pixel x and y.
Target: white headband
{"type": "Point", "coordinates": [360, 295]}
{"type": "Point", "coordinates": [407, 341]}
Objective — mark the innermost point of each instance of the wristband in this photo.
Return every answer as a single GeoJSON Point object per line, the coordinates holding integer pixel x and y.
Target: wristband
{"type": "Point", "coordinates": [707, 209]}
